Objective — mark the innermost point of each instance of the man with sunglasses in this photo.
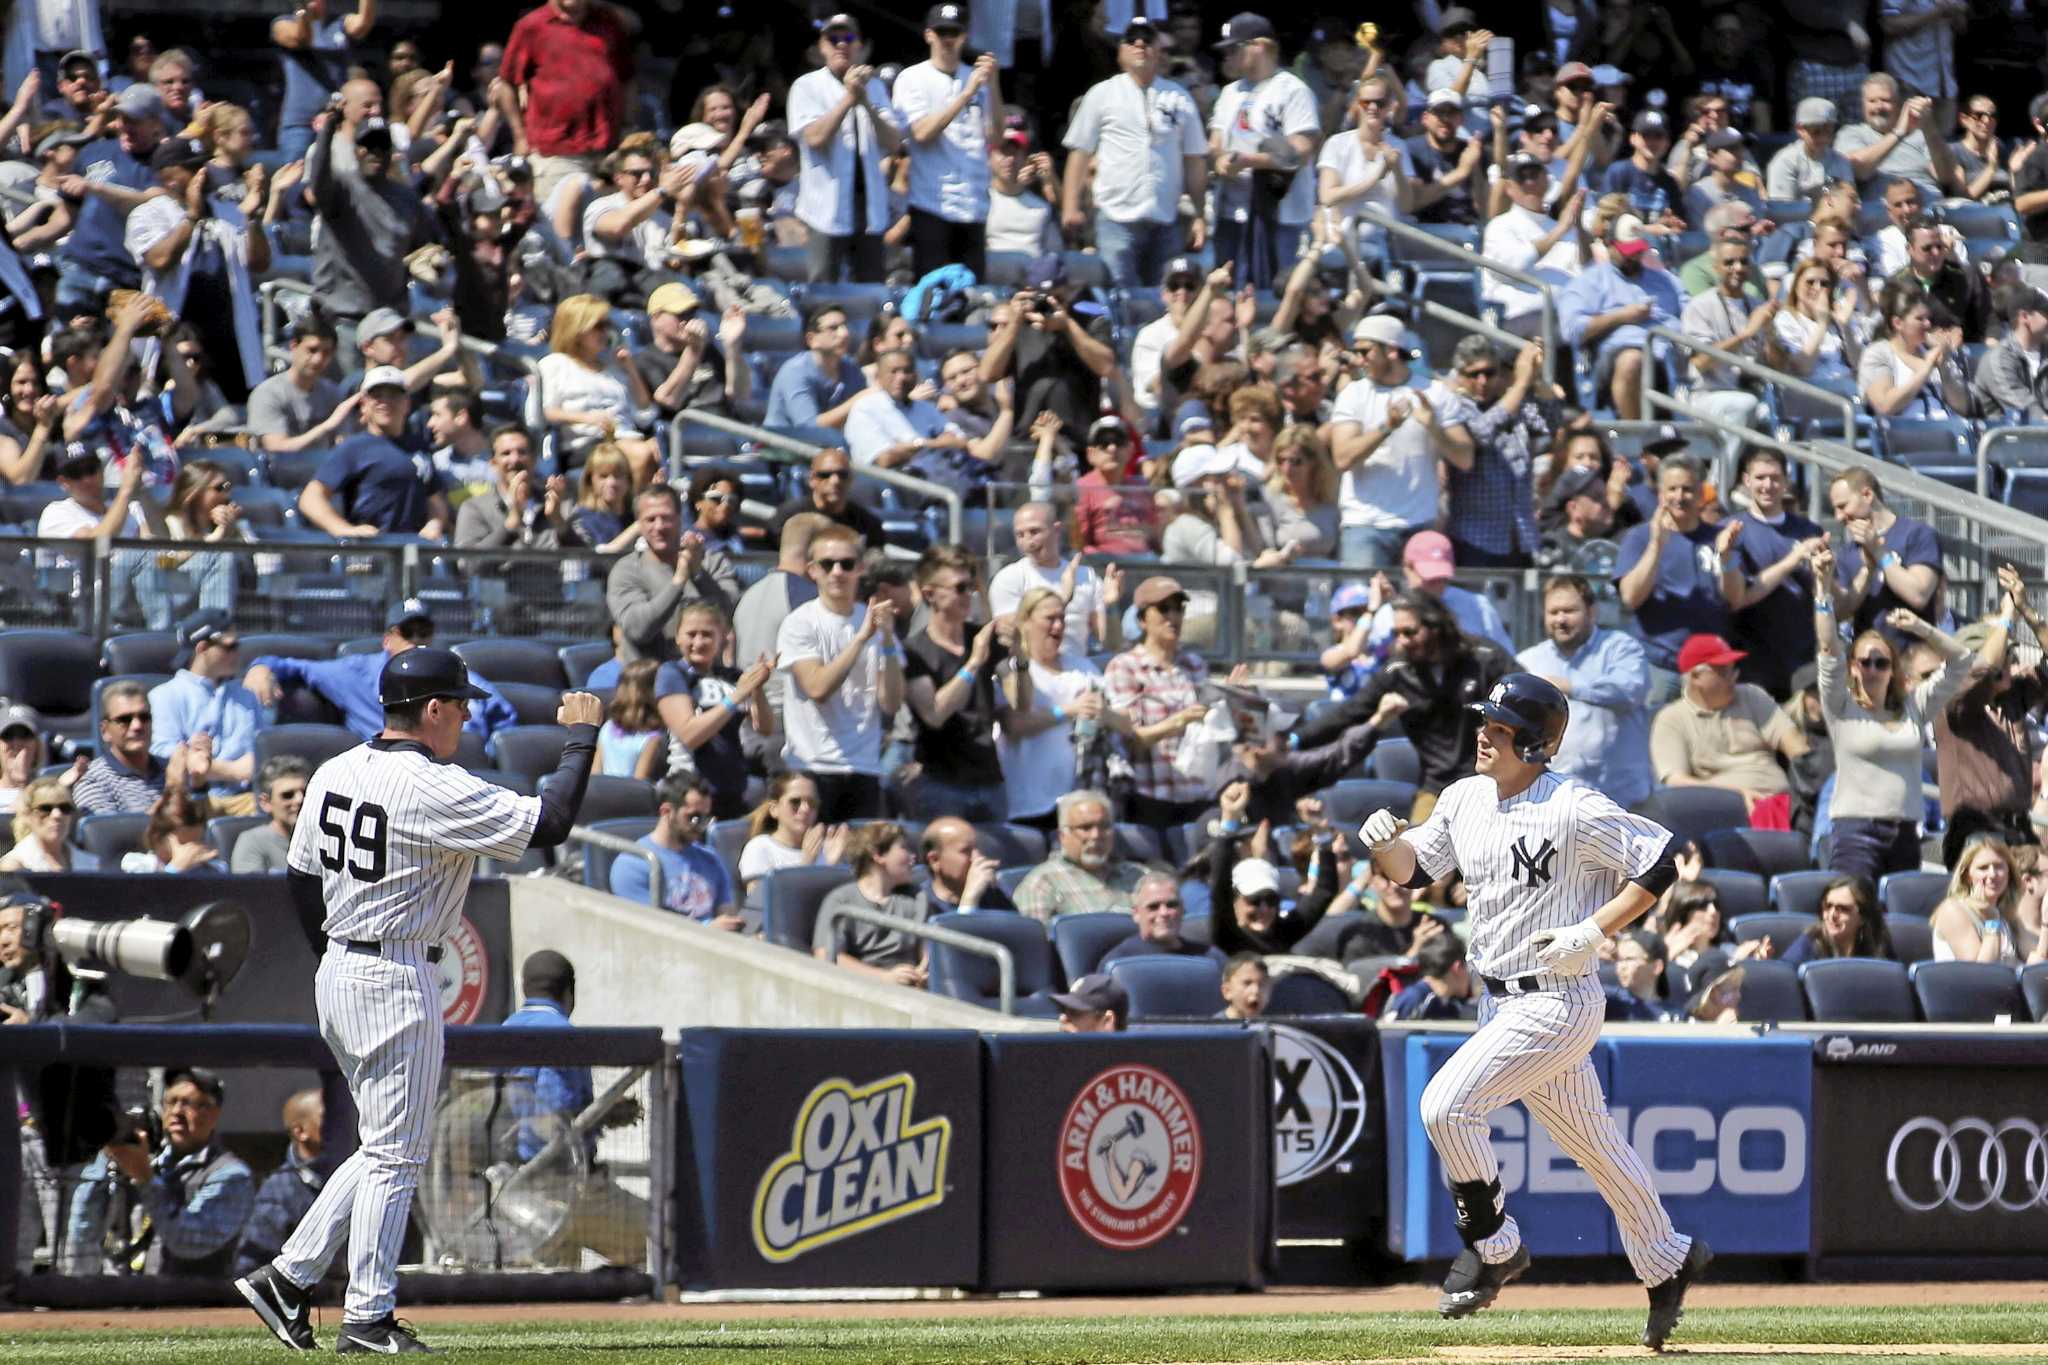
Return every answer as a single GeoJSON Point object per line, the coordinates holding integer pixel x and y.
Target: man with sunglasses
{"type": "Point", "coordinates": [80, 93]}
{"type": "Point", "coordinates": [204, 710]}
{"type": "Point", "coordinates": [1724, 733]}
{"type": "Point", "coordinates": [830, 495]}
{"type": "Point", "coordinates": [844, 125]}
{"type": "Point", "coordinates": [1136, 146]}
{"type": "Point", "coordinates": [845, 669]}
{"type": "Point", "coordinates": [1157, 912]}
{"type": "Point", "coordinates": [125, 777]}
{"type": "Point", "coordinates": [1492, 522]}
{"type": "Point", "coordinates": [1525, 236]}
{"type": "Point", "coordinates": [694, 881]}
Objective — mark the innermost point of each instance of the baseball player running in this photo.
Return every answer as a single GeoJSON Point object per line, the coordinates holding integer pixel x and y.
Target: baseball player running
{"type": "Point", "coordinates": [382, 857]}
{"type": "Point", "coordinates": [1538, 852]}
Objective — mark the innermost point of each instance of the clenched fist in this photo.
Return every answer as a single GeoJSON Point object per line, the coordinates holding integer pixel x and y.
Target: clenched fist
{"type": "Point", "coordinates": [579, 708]}
{"type": "Point", "coordinates": [1569, 952]}
{"type": "Point", "coordinates": [1381, 828]}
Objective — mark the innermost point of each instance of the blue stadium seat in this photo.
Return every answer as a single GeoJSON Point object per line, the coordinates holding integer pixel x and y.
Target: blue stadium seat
{"type": "Point", "coordinates": [1771, 994]}
{"type": "Point", "coordinates": [967, 976]}
{"type": "Point", "coordinates": [1689, 812]}
{"type": "Point", "coordinates": [107, 837]}
{"type": "Point", "coordinates": [1349, 802]}
{"type": "Point", "coordinates": [1857, 990]}
{"type": "Point", "coordinates": [1170, 987]}
{"type": "Point", "coordinates": [1912, 893]}
{"type": "Point", "coordinates": [1303, 993]}
{"type": "Point", "coordinates": [728, 839]}
{"type": "Point", "coordinates": [1742, 893]}
{"type": "Point", "coordinates": [597, 862]}
{"type": "Point", "coordinates": [1967, 992]}
{"type": "Point", "coordinates": [789, 901]}
{"type": "Point", "coordinates": [1011, 845]}
{"type": "Point", "coordinates": [2034, 985]}
{"type": "Point", "coordinates": [1766, 852]}
{"type": "Point", "coordinates": [223, 830]}
{"type": "Point", "coordinates": [534, 703]}
{"type": "Point", "coordinates": [617, 798]}
{"type": "Point", "coordinates": [1799, 893]}
{"type": "Point", "coordinates": [1782, 930]}
{"type": "Point", "coordinates": [1912, 939]}
{"type": "Point", "coordinates": [141, 651]}
{"type": "Point", "coordinates": [514, 661]}
{"type": "Point", "coordinates": [1140, 844]}
{"type": "Point", "coordinates": [1394, 760]}
{"type": "Point", "coordinates": [581, 660]}
{"type": "Point", "coordinates": [471, 752]}
{"type": "Point", "coordinates": [1080, 940]}
{"type": "Point", "coordinates": [1010, 878]}
{"type": "Point", "coordinates": [314, 743]}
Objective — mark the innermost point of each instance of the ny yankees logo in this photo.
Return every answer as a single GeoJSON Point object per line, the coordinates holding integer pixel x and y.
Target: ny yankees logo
{"type": "Point", "coordinates": [1533, 869]}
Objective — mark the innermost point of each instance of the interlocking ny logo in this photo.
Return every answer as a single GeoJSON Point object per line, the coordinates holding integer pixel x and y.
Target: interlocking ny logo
{"type": "Point", "coordinates": [1533, 869]}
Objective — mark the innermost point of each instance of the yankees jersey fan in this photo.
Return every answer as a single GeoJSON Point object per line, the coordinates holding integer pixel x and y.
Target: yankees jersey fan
{"type": "Point", "coordinates": [394, 836]}
{"type": "Point", "coordinates": [1545, 859]}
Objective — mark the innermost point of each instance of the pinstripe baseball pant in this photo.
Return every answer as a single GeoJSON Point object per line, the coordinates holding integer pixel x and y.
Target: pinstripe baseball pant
{"type": "Point", "coordinates": [1533, 1048]}
{"type": "Point", "coordinates": [382, 1017]}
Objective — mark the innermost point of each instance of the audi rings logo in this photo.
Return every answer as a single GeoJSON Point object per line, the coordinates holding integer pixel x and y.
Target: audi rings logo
{"type": "Point", "coordinates": [1967, 1165]}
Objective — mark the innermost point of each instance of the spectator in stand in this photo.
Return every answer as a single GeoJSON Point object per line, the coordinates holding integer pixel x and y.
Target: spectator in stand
{"type": "Point", "coordinates": [1920, 50]}
{"type": "Point", "coordinates": [1156, 909]}
{"type": "Point", "coordinates": [1888, 249]}
{"type": "Point", "coordinates": [1427, 567]}
{"type": "Point", "coordinates": [462, 451]}
{"type": "Point", "coordinates": [44, 816]}
{"type": "Point", "coordinates": [953, 113]}
{"type": "Point", "coordinates": [172, 76]}
{"type": "Point", "coordinates": [289, 1191]}
{"type": "Point", "coordinates": [1391, 925]}
{"type": "Point", "coordinates": [1606, 681]}
{"type": "Point", "coordinates": [1135, 147]}
{"type": "Point", "coordinates": [1983, 163]}
{"type": "Point", "coordinates": [1492, 521]}
{"type": "Point", "coordinates": [1653, 196]}
{"type": "Point", "coordinates": [844, 125]}
{"type": "Point", "coordinates": [1773, 605]}
{"type": "Point", "coordinates": [1721, 733]}
{"type": "Point", "coordinates": [2030, 185]}
{"type": "Point", "coordinates": [301, 408]}
{"type": "Point", "coordinates": [1977, 921]}
{"type": "Point", "coordinates": [174, 839]}
{"type": "Point", "coordinates": [1158, 687]}
{"type": "Point", "coordinates": [1054, 710]}
{"type": "Point", "coordinates": [207, 713]}
{"type": "Point", "coordinates": [819, 387]}
{"type": "Point", "coordinates": [110, 418]}
{"type": "Point", "coordinates": [1724, 318]}
{"type": "Point", "coordinates": [571, 62]}
{"type": "Point", "coordinates": [1914, 371]}
{"type": "Point", "coordinates": [1803, 168]}
{"type": "Point", "coordinates": [1443, 991]}
{"type": "Point", "coordinates": [888, 428]}
{"type": "Point", "coordinates": [603, 517]}
{"type": "Point", "coordinates": [1960, 289]}
{"type": "Point", "coordinates": [2010, 380]}
{"type": "Point", "coordinates": [714, 497]}
{"type": "Point", "coordinates": [23, 755]}
{"type": "Point", "coordinates": [1215, 525]}
{"type": "Point", "coordinates": [1524, 236]}
{"type": "Point", "coordinates": [631, 742]}
{"type": "Point", "coordinates": [1091, 598]}
{"type": "Point", "coordinates": [680, 365]}
{"type": "Point", "coordinates": [1892, 141]}
{"type": "Point", "coordinates": [517, 509]}
{"type": "Point", "coordinates": [949, 679]}
{"type": "Point", "coordinates": [1576, 519]}
{"type": "Point", "coordinates": [1244, 896]}
{"type": "Point", "coordinates": [1673, 573]}
{"type": "Point", "coordinates": [1301, 495]}
{"type": "Point", "coordinates": [84, 512]}
{"type": "Point", "coordinates": [29, 416]}
{"type": "Point", "coordinates": [1263, 131]}
{"type": "Point", "coordinates": [628, 234]}
{"type": "Point", "coordinates": [198, 251]}
{"type": "Point", "coordinates": [1194, 331]}
{"type": "Point", "coordinates": [126, 776]}
{"type": "Point", "coordinates": [1876, 720]}
{"type": "Point", "coordinates": [1387, 437]}
{"type": "Point", "coordinates": [1636, 995]}
{"type": "Point", "coordinates": [845, 666]}
{"type": "Point", "coordinates": [372, 486]}
{"type": "Point", "coordinates": [1729, 176]}
{"type": "Point", "coordinates": [1266, 776]}
{"type": "Point", "coordinates": [1885, 560]}
{"type": "Point", "coordinates": [1055, 350]}
{"type": "Point", "coordinates": [280, 794]}
{"type": "Point", "coordinates": [1367, 166]}
{"type": "Point", "coordinates": [1247, 986]}
{"type": "Point", "coordinates": [963, 878]}
{"type": "Point", "coordinates": [1445, 162]}
{"type": "Point", "coordinates": [1113, 514]}
{"type": "Point", "coordinates": [694, 883]}
{"type": "Point", "coordinates": [1094, 1004]}
{"type": "Point", "coordinates": [1851, 925]}
{"type": "Point", "coordinates": [597, 394]}
{"type": "Point", "coordinates": [784, 831]}
{"type": "Point", "coordinates": [1609, 306]}
{"type": "Point", "coordinates": [882, 862]}
{"type": "Point", "coordinates": [1083, 873]}
{"type": "Point", "coordinates": [1983, 740]}
{"type": "Point", "coordinates": [1024, 192]}
{"type": "Point", "coordinates": [199, 511]}
{"type": "Point", "coordinates": [646, 592]}
{"type": "Point", "coordinates": [314, 51]}
{"type": "Point", "coordinates": [368, 223]}
{"type": "Point", "coordinates": [831, 496]}
{"type": "Point", "coordinates": [110, 178]}
{"type": "Point", "coordinates": [775, 594]}
{"type": "Point", "coordinates": [1814, 334]}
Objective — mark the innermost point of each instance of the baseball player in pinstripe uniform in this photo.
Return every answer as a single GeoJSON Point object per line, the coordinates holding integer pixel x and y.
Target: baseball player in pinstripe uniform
{"type": "Point", "coordinates": [382, 857]}
{"type": "Point", "coordinates": [1552, 869]}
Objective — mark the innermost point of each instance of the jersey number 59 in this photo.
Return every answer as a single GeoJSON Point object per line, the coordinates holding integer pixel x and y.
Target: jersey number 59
{"type": "Point", "coordinates": [360, 847]}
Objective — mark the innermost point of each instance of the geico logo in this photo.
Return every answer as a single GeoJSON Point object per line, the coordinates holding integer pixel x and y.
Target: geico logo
{"type": "Point", "coordinates": [1967, 1164]}
{"type": "Point", "coordinates": [855, 1162]}
{"type": "Point", "coordinates": [1750, 1150]}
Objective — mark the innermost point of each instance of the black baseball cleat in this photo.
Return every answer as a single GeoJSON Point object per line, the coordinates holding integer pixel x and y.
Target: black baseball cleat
{"type": "Point", "coordinates": [1473, 1283]}
{"type": "Point", "coordinates": [1667, 1300]}
{"type": "Point", "coordinates": [387, 1336]}
{"type": "Point", "coordinates": [286, 1309]}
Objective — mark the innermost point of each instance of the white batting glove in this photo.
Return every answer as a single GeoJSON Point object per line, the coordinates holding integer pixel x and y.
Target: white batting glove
{"type": "Point", "coordinates": [1569, 952]}
{"type": "Point", "coordinates": [1381, 828]}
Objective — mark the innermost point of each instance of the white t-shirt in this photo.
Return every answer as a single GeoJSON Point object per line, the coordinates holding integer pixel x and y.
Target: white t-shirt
{"type": "Point", "coordinates": [1038, 771]}
{"type": "Point", "coordinates": [1020, 576]}
{"type": "Point", "coordinates": [1246, 119]}
{"type": "Point", "coordinates": [878, 422]}
{"type": "Point", "coordinates": [1020, 222]}
{"type": "Point", "coordinates": [1395, 487]}
{"type": "Point", "coordinates": [1148, 356]}
{"type": "Point", "coordinates": [1137, 135]}
{"type": "Point", "coordinates": [949, 174]}
{"type": "Point", "coordinates": [646, 244]}
{"type": "Point", "coordinates": [63, 519]}
{"type": "Point", "coordinates": [1511, 239]}
{"type": "Point", "coordinates": [765, 853]}
{"type": "Point", "coordinates": [824, 197]}
{"type": "Point", "coordinates": [1352, 160]}
{"type": "Point", "coordinates": [843, 733]}
{"type": "Point", "coordinates": [568, 383]}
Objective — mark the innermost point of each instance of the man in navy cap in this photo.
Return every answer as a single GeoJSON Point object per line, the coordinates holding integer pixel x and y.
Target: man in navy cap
{"type": "Point", "coordinates": [1095, 1004]}
{"type": "Point", "coordinates": [203, 708]}
{"type": "Point", "coordinates": [1056, 349]}
{"type": "Point", "coordinates": [112, 177]}
{"type": "Point", "coordinates": [953, 113]}
{"type": "Point", "coordinates": [1264, 134]}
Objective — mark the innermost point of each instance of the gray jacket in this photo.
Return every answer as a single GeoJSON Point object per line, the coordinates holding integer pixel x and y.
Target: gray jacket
{"type": "Point", "coordinates": [480, 522]}
{"type": "Point", "coordinates": [645, 600]}
{"type": "Point", "coordinates": [2001, 384]}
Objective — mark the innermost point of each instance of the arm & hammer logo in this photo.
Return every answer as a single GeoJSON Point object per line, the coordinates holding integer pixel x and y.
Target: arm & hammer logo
{"type": "Point", "coordinates": [856, 1161]}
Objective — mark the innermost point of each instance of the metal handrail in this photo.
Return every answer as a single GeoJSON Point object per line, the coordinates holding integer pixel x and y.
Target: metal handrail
{"type": "Point", "coordinates": [1428, 308]}
{"type": "Point", "coordinates": [1756, 370]}
{"type": "Point", "coordinates": [1006, 961]}
{"type": "Point", "coordinates": [1393, 226]}
{"type": "Point", "coordinates": [614, 844]}
{"type": "Point", "coordinates": [1984, 444]}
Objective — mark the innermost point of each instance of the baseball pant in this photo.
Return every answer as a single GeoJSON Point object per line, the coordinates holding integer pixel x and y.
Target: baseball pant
{"type": "Point", "coordinates": [1533, 1048]}
{"type": "Point", "coordinates": [382, 1017]}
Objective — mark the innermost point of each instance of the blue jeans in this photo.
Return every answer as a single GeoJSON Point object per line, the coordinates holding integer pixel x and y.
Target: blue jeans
{"type": "Point", "coordinates": [1373, 547]}
{"type": "Point", "coordinates": [1136, 253]}
{"type": "Point", "coordinates": [1871, 848]}
{"type": "Point", "coordinates": [81, 291]}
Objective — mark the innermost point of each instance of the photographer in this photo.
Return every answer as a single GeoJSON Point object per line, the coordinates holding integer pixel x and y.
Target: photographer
{"type": "Point", "coordinates": [180, 1210]}
{"type": "Point", "coordinates": [1059, 355]}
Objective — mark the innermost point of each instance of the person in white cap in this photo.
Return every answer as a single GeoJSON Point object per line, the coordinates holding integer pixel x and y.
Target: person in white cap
{"type": "Point", "coordinates": [1526, 237]}
{"type": "Point", "coordinates": [370, 485]}
{"type": "Point", "coordinates": [843, 124]}
{"type": "Point", "coordinates": [1386, 438]}
{"type": "Point", "coordinates": [1215, 526]}
{"type": "Point", "coordinates": [1802, 169]}
{"type": "Point", "coordinates": [954, 114]}
{"type": "Point", "coordinates": [1445, 161]}
{"type": "Point", "coordinates": [1263, 133]}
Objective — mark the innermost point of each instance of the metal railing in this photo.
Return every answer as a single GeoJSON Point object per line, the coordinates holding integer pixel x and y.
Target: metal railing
{"type": "Point", "coordinates": [277, 355]}
{"type": "Point", "coordinates": [1753, 368]}
{"type": "Point", "coordinates": [1408, 232]}
{"type": "Point", "coordinates": [612, 843]}
{"type": "Point", "coordinates": [1006, 962]}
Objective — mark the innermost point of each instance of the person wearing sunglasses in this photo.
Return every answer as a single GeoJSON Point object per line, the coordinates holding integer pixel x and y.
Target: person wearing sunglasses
{"type": "Point", "coordinates": [844, 124]}
{"type": "Point", "coordinates": [1492, 520]}
{"type": "Point", "coordinates": [125, 776]}
{"type": "Point", "coordinates": [694, 881]}
{"type": "Point", "coordinates": [1244, 886]}
{"type": "Point", "coordinates": [205, 711]}
{"type": "Point", "coordinates": [844, 661]}
{"type": "Point", "coordinates": [44, 816]}
{"type": "Point", "coordinates": [1265, 131]}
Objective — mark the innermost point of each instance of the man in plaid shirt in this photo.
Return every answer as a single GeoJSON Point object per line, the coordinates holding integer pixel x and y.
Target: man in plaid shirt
{"type": "Point", "coordinates": [1158, 687]}
{"type": "Point", "coordinates": [1493, 504]}
{"type": "Point", "coordinates": [1083, 874]}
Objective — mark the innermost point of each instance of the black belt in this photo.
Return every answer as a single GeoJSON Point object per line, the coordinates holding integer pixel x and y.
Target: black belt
{"type": "Point", "coordinates": [1514, 985]}
{"type": "Point", "coordinates": [370, 947]}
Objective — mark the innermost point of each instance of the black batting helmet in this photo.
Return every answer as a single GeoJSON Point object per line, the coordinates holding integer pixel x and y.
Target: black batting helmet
{"type": "Point", "coordinates": [418, 674]}
{"type": "Point", "coordinates": [1534, 709]}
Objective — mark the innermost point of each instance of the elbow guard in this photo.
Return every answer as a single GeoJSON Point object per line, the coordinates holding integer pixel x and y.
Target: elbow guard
{"type": "Point", "coordinates": [1661, 874]}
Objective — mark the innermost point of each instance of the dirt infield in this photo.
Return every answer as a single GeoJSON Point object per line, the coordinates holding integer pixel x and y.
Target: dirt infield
{"type": "Point", "coordinates": [1402, 1298]}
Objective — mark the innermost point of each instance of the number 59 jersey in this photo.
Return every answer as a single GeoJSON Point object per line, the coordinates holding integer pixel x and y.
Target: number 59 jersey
{"type": "Point", "coordinates": [394, 836]}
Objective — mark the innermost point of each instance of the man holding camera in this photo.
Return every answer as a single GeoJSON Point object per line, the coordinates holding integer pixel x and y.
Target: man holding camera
{"type": "Point", "coordinates": [1058, 354]}
{"type": "Point", "coordinates": [185, 1201]}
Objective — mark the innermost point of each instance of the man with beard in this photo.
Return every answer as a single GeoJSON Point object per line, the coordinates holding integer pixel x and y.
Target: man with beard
{"type": "Point", "coordinates": [1492, 520]}
{"type": "Point", "coordinates": [1446, 162]}
{"type": "Point", "coordinates": [1605, 679]}
{"type": "Point", "coordinates": [1608, 308]}
{"type": "Point", "coordinates": [1083, 874]}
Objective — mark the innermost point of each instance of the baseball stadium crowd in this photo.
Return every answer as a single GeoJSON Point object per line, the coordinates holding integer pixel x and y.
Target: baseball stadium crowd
{"type": "Point", "coordinates": [1124, 287]}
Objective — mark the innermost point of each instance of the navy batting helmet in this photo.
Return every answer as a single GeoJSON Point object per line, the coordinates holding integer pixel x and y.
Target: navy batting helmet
{"type": "Point", "coordinates": [418, 674]}
{"type": "Point", "coordinates": [1534, 709]}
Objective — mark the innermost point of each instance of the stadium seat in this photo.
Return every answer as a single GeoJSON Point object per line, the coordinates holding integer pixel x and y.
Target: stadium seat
{"type": "Point", "coordinates": [314, 743]}
{"type": "Point", "coordinates": [1140, 844]}
{"type": "Point", "coordinates": [1912, 893]}
{"type": "Point", "coordinates": [1742, 893]}
{"type": "Point", "coordinates": [1170, 987]}
{"type": "Point", "coordinates": [1771, 994]}
{"type": "Point", "coordinates": [52, 671]}
{"type": "Point", "coordinates": [1010, 878]}
{"type": "Point", "coordinates": [107, 837]}
{"type": "Point", "coordinates": [518, 783]}
{"type": "Point", "coordinates": [1079, 941]}
{"type": "Point", "coordinates": [1782, 930]}
{"type": "Point", "coordinates": [1300, 993]}
{"type": "Point", "coordinates": [617, 798]}
{"type": "Point", "coordinates": [1912, 939]}
{"type": "Point", "coordinates": [1799, 893]}
{"type": "Point", "coordinates": [967, 976]}
{"type": "Point", "coordinates": [728, 839]}
{"type": "Point", "coordinates": [1348, 803]}
{"type": "Point", "coordinates": [141, 651]}
{"type": "Point", "coordinates": [1011, 845]}
{"type": "Point", "coordinates": [295, 469]}
{"type": "Point", "coordinates": [536, 704]}
{"type": "Point", "coordinates": [514, 661]}
{"type": "Point", "coordinates": [1689, 812]}
{"type": "Point", "coordinates": [1967, 992]}
{"type": "Point", "coordinates": [472, 751]}
{"type": "Point", "coordinates": [1330, 931]}
{"type": "Point", "coordinates": [597, 862]}
{"type": "Point", "coordinates": [530, 749]}
{"type": "Point", "coordinates": [1856, 990]}
{"type": "Point", "coordinates": [580, 661]}
{"type": "Point", "coordinates": [223, 830]}
{"type": "Point", "coordinates": [1394, 760]}
{"type": "Point", "coordinates": [1764, 851]}
{"type": "Point", "coordinates": [285, 647]}
{"type": "Point", "coordinates": [2034, 986]}
{"type": "Point", "coordinates": [367, 644]}
{"type": "Point", "coordinates": [789, 902]}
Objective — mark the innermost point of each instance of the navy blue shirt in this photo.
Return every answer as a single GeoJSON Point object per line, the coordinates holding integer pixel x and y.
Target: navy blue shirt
{"type": "Point", "coordinates": [1651, 194]}
{"type": "Point", "coordinates": [98, 242]}
{"type": "Point", "coordinates": [1686, 597]}
{"type": "Point", "coordinates": [720, 760]}
{"type": "Point", "coordinates": [313, 73]}
{"type": "Point", "coordinates": [377, 482]}
{"type": "Point", "coordinates": [1915, 543]}
{"type": "Point", "coordinates": [1417, 1001]}
{"type": "Point", "coordinates": [1778, 631]}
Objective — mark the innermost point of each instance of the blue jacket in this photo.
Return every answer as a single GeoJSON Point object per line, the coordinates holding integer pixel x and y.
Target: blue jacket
{"type": "Point", "coordinates": [1607, 741]}
{"type": "Point", "coordinates": [349, 685]}
{"type": "Point", "coordinates": [281, 1201]}
{"type": "Point", "coordinates": [1599, 289]}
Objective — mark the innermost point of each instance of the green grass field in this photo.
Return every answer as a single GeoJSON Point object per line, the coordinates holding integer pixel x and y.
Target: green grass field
{"type": "Point", "coordinates": [1056, 1341]}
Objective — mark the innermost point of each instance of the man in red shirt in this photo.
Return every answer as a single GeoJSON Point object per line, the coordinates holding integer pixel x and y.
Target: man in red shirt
{"type": "Point", "coordinates": [571, 61]}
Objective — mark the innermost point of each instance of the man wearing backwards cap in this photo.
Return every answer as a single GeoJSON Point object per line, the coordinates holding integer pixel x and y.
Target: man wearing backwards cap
{"type": "Point", "coordinates": [844, 125]}
{"type": "Point", "coordinates": [1264, 125]}
{"type": "Point", "coordinates": [1094, 1004]}
{"type": "Point", "coordinates": [2010, 376]}
{"type": "Point", "coordinates": [1721, 733]}
{"type": "Point", "coordinates": [112, 176]}
{"type": "Point", "coordinates": [1610, 306]}
{"type": "Point", "coordinates": [1803, 168]}
{"type": "Point", "coordinates": [954, 114]}
{"type": "Point", "coordinates": [197, 254]}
